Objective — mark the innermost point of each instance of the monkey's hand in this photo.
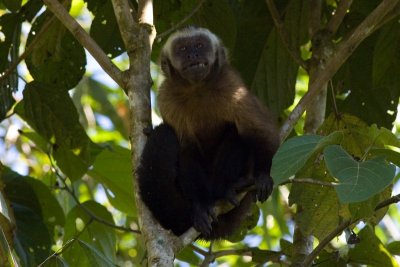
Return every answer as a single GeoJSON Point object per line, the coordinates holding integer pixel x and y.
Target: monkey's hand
{"type": "Point", "coordinates": [202, 219]}
{"type": "Point", "coordinates": [264, 185]}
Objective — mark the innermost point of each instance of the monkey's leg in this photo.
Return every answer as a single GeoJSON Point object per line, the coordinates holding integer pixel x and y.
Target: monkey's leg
{"type": "Point", "coordinates": [230, 166]}
{"type": "Point", "coordinates": [196, 188]}
{"type": "Point", "coordinates": [157, 179]}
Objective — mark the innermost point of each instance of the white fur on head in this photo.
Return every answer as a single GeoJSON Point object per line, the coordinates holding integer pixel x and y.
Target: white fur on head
{"type": "Point", "coordinates": [190, 32]}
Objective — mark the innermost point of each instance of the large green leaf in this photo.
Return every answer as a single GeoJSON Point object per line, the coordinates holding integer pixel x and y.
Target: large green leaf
{"type": "Point", "coordinates": [104, 29]}
{"type": "Point", "coordinates": [276, 73]}
{"type": "Point", "coordinates": [57, 58]}
{"type": "Point", "coordinates": [250, 37]}
{"type": "Point", "coordinates": [54, 117]}
{"type": "Point", "coordinates": [358, 181]}
{"type": "Point", "coordinates": [36, 196]}
{"type": "Point", "coordinates": [320, 213]}
{"type": "Point", "coordinates": [96, 259]}
{"type": "Point", "coordinates": [101, 238]}
{"type": "Point", "coordinates": [114, 170]}
{"type": "Point", "coordinates": [10, 29]}
{"type": "Point", "coordinates": [293, 154]}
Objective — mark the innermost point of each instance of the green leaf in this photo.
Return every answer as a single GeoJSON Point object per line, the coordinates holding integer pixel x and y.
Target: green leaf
{"type": "Point", "coordinates": [10, 29]}
{"type": "Point", "coordinates": [102, 238]}
{"type": "Point", "coordinates": [358, 180]}
{"type": "Point", "coordinates": [394, 248]}
{"type": "Point", "coordinates": [370, 251]}
{"type": "Point", "coordinates": [13, 5]}
{"type": "Point", "coordinates": [293, 154]}
{"type": "Point", "coordinates": [55, 261]}
{"type": "Point", "coordinates": [104, 30]}
{"type": "Point", "coordinates": [54, 117]}
{"type": "Point", "coordinates": [320, 213]}
{"type": "Point", "coordinates": [250, 37]}
{"type": "Point", "coordinates": [209, 16]}
{"type": "Point", "coordinates": [36, 196]}
{"type": "Point", "coordinates": [276, 72]}
{"type": "Point", "coordinates": [187, 255]}
{"type": "Point", "coordinates": [33, 241]}
{"type": "Point", "coordinates": [114, 170]}
{"type": "Point", "coordinates": [96, 259]}
{"type": "Point", "coordinates": [58, 59]}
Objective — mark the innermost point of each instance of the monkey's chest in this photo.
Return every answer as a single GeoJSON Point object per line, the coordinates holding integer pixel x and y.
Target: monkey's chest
{"type": "Point", "coordinates": [197, 122]}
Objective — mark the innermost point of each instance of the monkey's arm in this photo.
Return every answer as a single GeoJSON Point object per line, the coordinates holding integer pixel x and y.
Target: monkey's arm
{"type": "Point", "coordinates": [256, 125]}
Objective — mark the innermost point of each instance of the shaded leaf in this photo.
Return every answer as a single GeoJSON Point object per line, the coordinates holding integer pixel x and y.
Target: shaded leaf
{"type": "Point", "coordinates": [96, 259]}
{"type": "Point", "coordinates": [276, 72]}
{"type": "Point", "coordinates": [99, 236]}
{"type": "Point", "coordinates": [55, 261]}
{"type": "Point", "coordinates": [57, 59]}
{"type": "Point", "coordinates": [33, 194]}
{"type": "Point", "coordinates": [12, 5]}
{"type": "Point", "coordinates": [54, 117]}
{"type": "Point", "coordinates": [104, 29]}
{"type": "Point", "coordinates": [358, 180]}
{"type": "Point", "coordinates": [33, 241]}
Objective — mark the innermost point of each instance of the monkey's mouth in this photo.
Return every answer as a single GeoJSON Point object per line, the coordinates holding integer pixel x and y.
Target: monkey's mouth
{"type": "Point", "coordinates": [195, 66]}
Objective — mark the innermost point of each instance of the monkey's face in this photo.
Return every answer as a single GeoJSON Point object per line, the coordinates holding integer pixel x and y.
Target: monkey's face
{"type": "Point", "coordinates": [193, 57]}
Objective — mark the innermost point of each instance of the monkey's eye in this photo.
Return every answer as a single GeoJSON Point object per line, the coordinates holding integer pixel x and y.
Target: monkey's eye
{"type": "Point", "coordinates": [199, 45]}
{"type": "Point", "coordinates": [182, 48]}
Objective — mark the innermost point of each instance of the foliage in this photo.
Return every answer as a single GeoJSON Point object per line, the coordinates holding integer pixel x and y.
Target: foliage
{"type": "Point", "coordinates": [66, 187]}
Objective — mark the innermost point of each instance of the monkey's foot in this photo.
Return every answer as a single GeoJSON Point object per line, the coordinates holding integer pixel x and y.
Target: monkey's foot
{"type": "Point", "coordinates": [202, 219]}
{"type": "Point", "coordinates": [264, 186]}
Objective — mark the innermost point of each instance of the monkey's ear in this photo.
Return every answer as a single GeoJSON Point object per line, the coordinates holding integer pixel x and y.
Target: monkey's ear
{"type": "Point", "coordinates": [222, 55]}
{"type": "Point", "coordinates": [165, 64]}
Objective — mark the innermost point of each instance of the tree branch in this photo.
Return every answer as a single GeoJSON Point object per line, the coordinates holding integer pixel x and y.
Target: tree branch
{"type": "Point", "coordinates": [85, 40]}
{"type": "Point", "coordinates": [314, 23]}
{"type": "Point", "coordinates": [309, 259]}
{"type": "Point", "coordinates": [337, 18]}
{"type": "Point", "coordinates": [308, 181]}
{"type": "Point", "coordinates": [393, 200]}
{"type": "Point", "coordinates": [279, 25]}
{"type": "Point", "coordinates": [343, 51]}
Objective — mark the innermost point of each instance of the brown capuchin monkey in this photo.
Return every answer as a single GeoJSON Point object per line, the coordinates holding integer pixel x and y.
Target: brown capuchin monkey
{"type": "Point", "coordinates": [216, 138]}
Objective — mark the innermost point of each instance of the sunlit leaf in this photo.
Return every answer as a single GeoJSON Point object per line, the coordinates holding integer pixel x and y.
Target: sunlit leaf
{"type": "Point", "coordinates": [370, 251]}
{"type": "Point", "coordinates": [113, 169]}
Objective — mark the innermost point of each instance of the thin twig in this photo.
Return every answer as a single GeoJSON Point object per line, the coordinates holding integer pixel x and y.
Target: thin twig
{"type": "Point", "coordinates": [180, 23]}
{"type": "Point", "coordinates": [393, 200]}
{"type": "Point", "coordinates": [284, 36]}
{"type": "Point", "coordinates": [343, 51]}
{"type": "Point", "coordinates": [308, 181]}
{"type": "Point", "coordinates": [86, 41]}
{"type": "Point", "coordinates": [337, 18]}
